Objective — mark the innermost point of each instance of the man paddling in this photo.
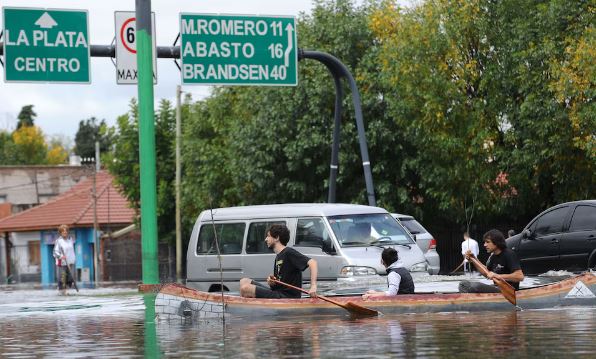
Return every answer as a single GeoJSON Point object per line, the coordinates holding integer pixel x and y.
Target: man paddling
{"type": "Point", "coordinates": [288, 267]}
{"type": "Point", "coordinates": [502, 263]}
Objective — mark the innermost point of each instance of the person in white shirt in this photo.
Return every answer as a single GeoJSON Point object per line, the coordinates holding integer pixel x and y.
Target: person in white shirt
{"type": "Point", "coordinates": [399, 280]}
{"type": "Point", "coordinates": [64, 254]}
{"type": "Point", "coordinates": [471, 245]}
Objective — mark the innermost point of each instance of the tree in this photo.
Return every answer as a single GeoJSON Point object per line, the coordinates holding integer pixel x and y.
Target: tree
{"type": "Point", "coordinates": [271, 145]}
{"type": "Point", "coordinates": [26, 116]}
{"type": "Point", "coordinates": [57, 153]}
{"type": "Point", "coordinates": [30, 145]}
{"type": "Point", "coordinates": [123, 163]}
{"type": "Point", "coordinates": [471, 83]}
{"type": "Point", "coordinates": [7, 149]}
{"type": "Point", "coordinates": [89, 132]}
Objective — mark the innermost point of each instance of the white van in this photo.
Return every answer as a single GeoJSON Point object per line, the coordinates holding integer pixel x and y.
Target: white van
{"type": "Point", "coordinates": [345, 239]}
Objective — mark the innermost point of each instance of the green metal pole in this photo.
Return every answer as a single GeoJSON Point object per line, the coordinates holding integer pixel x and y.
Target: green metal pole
{"type": "Point", "coordinates": [147, 142]}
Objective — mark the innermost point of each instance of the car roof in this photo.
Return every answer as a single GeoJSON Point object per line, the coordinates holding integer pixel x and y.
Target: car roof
{"type": "Point", "coordinates": [288, 210]}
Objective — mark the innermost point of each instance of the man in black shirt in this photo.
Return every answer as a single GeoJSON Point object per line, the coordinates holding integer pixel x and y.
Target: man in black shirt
{"type": "Point", "coordinates": [288, 267]}
{"type": "Point", "coordinates": [502, 263]}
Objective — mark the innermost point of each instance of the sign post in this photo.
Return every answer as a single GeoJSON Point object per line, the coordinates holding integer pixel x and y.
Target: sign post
{"type": "Point", "coordinates": [46, 45]}
{"type": "Point", "coordinates": [126, 48]}
{"type": "Point", "coordinates": [238, 50]}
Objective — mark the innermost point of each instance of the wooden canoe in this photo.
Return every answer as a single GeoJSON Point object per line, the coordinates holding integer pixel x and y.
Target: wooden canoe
{"type": "Point", "coordinates": [177, 302]}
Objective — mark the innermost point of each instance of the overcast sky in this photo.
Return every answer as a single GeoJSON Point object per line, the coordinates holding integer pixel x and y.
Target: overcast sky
{"type": "Point", "coordinates": [60, 107]}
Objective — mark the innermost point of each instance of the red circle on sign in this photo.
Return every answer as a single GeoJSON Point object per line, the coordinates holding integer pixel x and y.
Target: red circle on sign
{"type": "Point", "coordinates": [122, 34]}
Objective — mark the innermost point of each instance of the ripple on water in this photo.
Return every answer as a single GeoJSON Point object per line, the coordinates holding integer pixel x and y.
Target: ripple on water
{"type": "Point", "coordinates": [120, 327]}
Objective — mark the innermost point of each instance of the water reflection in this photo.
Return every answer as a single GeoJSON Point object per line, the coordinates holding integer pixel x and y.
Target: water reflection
{"type": "Point", "coordinates": [514, 334]}
{"type": "Point", "coordinates": [96, 328]}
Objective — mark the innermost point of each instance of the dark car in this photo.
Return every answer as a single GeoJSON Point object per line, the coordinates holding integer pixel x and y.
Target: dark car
{"type": "Point", "coordinates": [561, 238]}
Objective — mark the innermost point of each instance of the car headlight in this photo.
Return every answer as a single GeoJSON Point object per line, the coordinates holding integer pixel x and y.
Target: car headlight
{"type": "Point", "coordinates": [354, 271]}
{"type": "Point", "coordinates": [418, 267]}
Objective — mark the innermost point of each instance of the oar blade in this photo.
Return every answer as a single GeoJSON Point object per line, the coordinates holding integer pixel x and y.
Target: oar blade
{"type": "Point", "coordinates": [507, 290]}
{"type": "Point", "coordinates": [360, 310]}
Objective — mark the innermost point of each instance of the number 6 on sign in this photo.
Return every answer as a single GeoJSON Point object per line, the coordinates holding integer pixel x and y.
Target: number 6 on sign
{"type": "Point", "coordinates": [126, 48]}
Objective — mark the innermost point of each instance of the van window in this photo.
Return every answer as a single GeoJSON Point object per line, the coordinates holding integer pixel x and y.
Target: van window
{"type": "Point", "coordinates": [368, 229]}
{"type": "Point", "coordinates": [311, 232]}
{"type": "Point", "coordinates": [229, 235]}
{"type": "Point", "coordinates": [257, 231]}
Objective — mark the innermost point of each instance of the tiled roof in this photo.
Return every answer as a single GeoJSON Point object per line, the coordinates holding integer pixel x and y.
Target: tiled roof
{"type": "Point", "coordinates": [75, 208]}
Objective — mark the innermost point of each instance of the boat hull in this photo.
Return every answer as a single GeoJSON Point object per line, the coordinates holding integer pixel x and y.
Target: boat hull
{"type": "Point", "coordinates": [176, 302]}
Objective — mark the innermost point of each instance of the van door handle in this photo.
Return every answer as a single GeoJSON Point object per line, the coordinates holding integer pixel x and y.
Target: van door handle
{"type": "Point", "coordinates": [554, 241]}
{"type": "Point", "coordinates": [591, 237]}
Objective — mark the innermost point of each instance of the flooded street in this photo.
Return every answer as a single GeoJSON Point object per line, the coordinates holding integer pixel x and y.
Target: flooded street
{"type": "Point", "coordinates": [116, 323]}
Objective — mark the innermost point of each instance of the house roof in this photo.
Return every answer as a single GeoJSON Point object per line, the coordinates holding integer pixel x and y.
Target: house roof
{"type": "Point", "coordinates": [75, 208]}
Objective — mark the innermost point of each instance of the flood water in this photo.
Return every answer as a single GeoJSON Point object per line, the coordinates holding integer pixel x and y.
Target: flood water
{"type": "Point", "coordinates": [121, 324]}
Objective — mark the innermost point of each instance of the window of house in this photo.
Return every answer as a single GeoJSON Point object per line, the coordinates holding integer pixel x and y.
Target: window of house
{"type": "Point", "coordinates": [33, 247]}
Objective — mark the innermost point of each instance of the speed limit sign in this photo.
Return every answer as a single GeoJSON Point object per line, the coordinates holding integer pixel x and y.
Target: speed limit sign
{"type": "Point", "coordinates": [126, 47]}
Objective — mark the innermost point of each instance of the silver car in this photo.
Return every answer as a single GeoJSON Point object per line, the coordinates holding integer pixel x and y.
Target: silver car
{"type": "Point", "coordinates": [424, 239]}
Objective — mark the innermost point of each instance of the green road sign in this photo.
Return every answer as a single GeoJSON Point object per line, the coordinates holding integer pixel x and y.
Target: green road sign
{"type": "Point", "coordinates": [46, 45]}
{"type": "Point", "coordinates": [238, 50]}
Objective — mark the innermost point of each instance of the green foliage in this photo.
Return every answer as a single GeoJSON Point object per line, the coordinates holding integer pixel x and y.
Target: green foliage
{"type": "Point", "coordinates": [7, 149]}
{"type": "Point", "coordinates": [30, 146]}
{"type": "Point", "coordinates": [272, 145]}
{"type": "Point", "coordinates": [470, 83]}
{"type": "Point", "coordinates": [89, 132]}
{"type": "Point", "coordinates": [26, 117]}
{"type": "Point", "coordinates": [475, 111]}
{"type": "Point", "coordinates": [123, 163]}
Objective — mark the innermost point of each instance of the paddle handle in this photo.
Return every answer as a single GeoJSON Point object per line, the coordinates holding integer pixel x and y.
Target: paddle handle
{"type": "Point", "coordinates": [305, 291]}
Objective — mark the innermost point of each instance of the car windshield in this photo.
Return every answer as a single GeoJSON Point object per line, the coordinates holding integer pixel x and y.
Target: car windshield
{"type": "Point", "coordinates": [368, 229]}
{"type": "Point", "coordinates": [412, 225]}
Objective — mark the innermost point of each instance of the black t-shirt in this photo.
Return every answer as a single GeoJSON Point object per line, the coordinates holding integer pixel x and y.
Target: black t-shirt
{"type": "Point", "coordinates": [288, 267]}
{"type": "Point", "coordinates": [505, 262]}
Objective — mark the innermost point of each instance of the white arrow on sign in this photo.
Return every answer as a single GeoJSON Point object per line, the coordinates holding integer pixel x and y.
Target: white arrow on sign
{"type": "Point", "coordinates": [45, 21]}
{"type": "Point", "coordinates": [290, 30]}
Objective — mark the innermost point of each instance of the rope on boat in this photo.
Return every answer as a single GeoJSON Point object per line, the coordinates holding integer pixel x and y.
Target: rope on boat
{"type": "Point", "coordinates": [223, 305]}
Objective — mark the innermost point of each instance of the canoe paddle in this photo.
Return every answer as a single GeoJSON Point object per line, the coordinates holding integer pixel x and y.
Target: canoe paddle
{"type": "Point", "coordinates": [506, 289]}
{"type": "Point", "coordinates": [349, 306]}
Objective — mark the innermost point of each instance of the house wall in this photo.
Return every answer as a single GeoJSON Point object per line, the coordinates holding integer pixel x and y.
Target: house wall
{"type": "Point", "coordinates": [27, 186]}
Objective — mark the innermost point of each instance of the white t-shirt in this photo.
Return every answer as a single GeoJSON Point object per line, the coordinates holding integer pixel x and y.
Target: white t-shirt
{"type": "Point", "coordinates": [472, 246]}
{"type": "Point", "coordinates": [64, 247]}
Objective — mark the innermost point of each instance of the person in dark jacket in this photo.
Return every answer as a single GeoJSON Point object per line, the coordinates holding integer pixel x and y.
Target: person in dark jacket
{"type": "Point", "coordinates": [399, 280]}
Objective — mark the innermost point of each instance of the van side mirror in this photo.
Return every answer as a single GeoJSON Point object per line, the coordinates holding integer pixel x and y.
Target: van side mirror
{"type": "Point", "coordinates": [527, 234]}
{"type": "Point", "coordinates": [414, 237]}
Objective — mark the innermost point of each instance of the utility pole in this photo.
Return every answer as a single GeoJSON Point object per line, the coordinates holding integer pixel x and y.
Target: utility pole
{"type": "Point", "coordinates": [95, 246]}
{"type": "Point", "coordinates": [178, 225]}
{"type": "Point", "coordinates": [147, 143]}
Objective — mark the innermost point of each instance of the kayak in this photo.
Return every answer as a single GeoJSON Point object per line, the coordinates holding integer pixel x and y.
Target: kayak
{"type": "Point", "coordinates": [177, 302]}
